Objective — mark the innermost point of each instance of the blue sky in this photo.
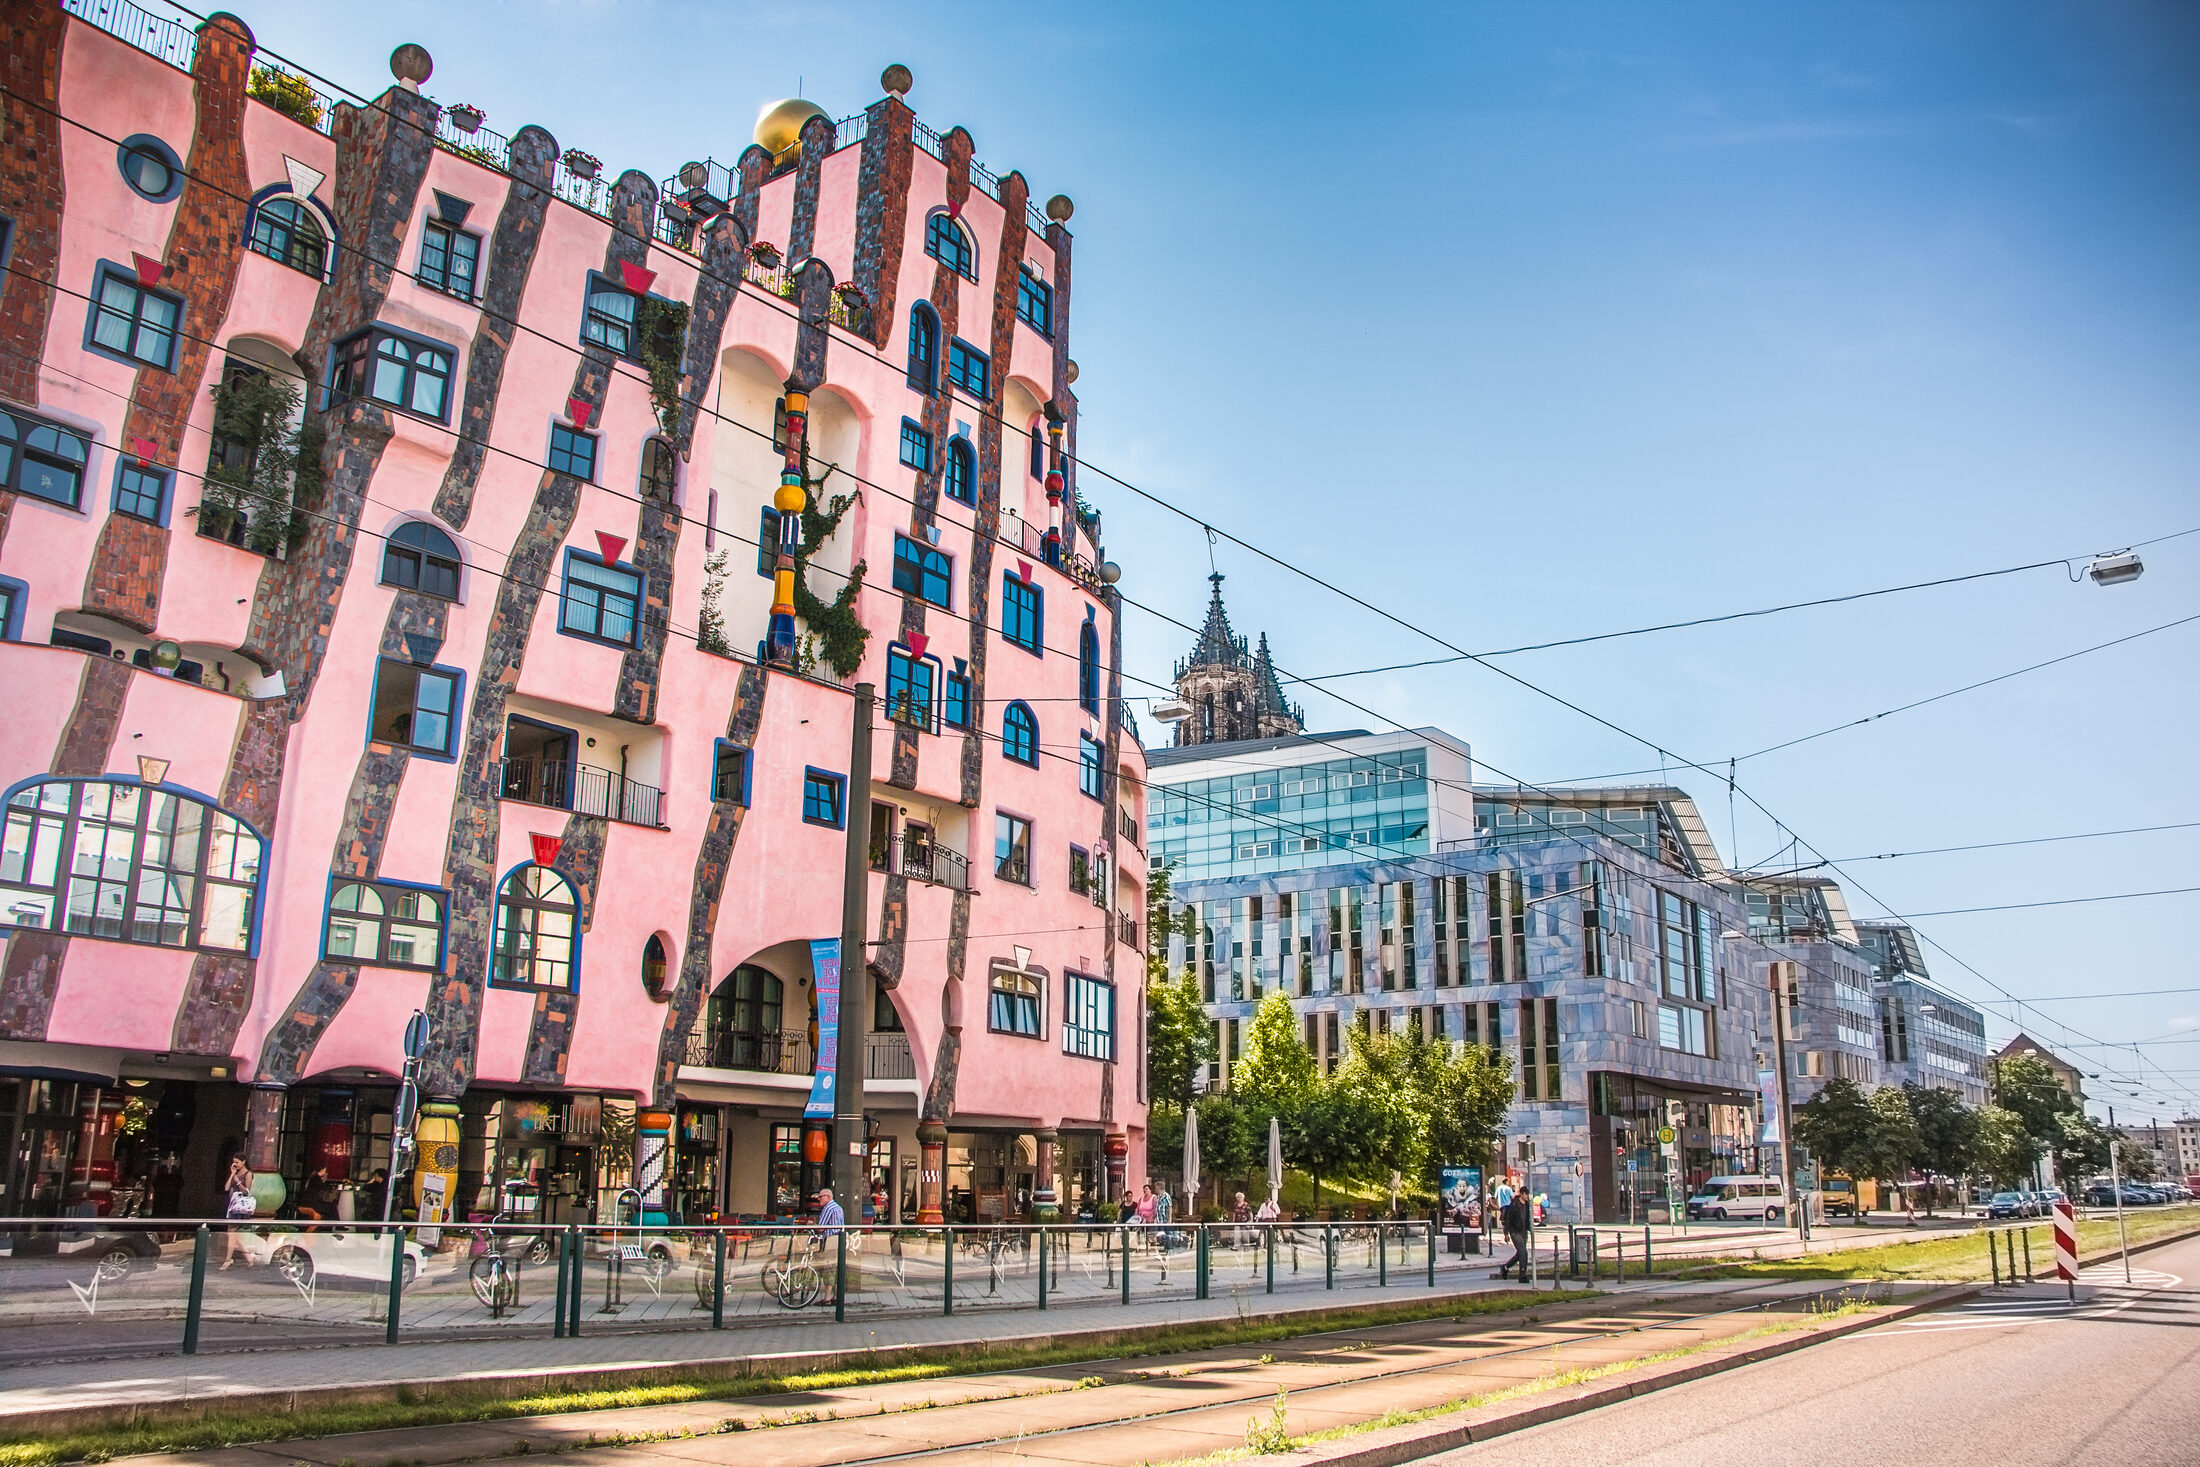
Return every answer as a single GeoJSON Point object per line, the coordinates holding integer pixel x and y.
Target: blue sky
{"type": "Point", "coordinates": [1532, 321]}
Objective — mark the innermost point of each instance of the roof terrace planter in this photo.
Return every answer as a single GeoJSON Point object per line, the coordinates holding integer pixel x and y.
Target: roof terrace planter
{"type": "Point", "coordinates": [582, 165]}
{"type": "Point", "coordinates": [465, 116]}
{"type": "Point", "coordinates": [765, 254]}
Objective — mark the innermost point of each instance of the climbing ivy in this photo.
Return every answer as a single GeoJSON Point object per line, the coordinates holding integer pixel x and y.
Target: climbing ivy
{"type": "Point", "coordinates": [266, 480]}
{"type": "Point", "coordinates": [662, 328]}
{"type": "Point", "coordinates": [841, 637]}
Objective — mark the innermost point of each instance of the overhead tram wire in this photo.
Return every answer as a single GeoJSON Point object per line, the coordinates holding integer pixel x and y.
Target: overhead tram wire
{"type": "Point", "coordinates": [649, 241]}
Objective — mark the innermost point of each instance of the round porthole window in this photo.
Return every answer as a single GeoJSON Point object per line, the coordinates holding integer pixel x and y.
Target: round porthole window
{"type": "Point", "coordinates": [150, 167]}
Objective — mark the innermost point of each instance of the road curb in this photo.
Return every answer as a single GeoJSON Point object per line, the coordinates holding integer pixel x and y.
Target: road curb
{"type": "Point", "coordinates": [1393, 1445]}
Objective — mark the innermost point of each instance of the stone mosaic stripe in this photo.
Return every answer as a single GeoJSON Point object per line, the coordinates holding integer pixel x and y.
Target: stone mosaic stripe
{"type": "Point", "coordinates": [32, 188]}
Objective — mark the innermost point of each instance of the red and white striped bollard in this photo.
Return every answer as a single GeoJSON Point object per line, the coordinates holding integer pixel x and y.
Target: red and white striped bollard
{"type": "Point", "coordinates": [2066, 1247]}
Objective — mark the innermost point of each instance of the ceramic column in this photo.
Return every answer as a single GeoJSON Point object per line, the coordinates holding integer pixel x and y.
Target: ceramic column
{"type": "Point", "coordinates": [789, 501]}
{"type": "Point", "coordinates": [652, 1137]}
{"type": "Point", "coordinates": [931, 1173]}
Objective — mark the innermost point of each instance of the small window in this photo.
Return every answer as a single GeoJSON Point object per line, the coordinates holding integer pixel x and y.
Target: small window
{"type": "Point", "coordinates": [1012, 848]}
{"type": "Point", "coordinates": [150, 167]}
{"type": "Point", "coordinates": [449, 259]}
{"type": "Point", "coordinates": [414, 707]}
{"type": "Point", "coordinates": [1014, 1004]}
{"type": "Point", "coordinates": [924, 348]}
{"type": "Point", "coordinates": [1080, 871]}
{"type": "Point", "coordinates": [729, 773]}
{"type": "Point", "coordinates": [383, 925]}
{"type": "Point", "coordinates": [132, 321]}
{"type": "Point", "coordinates": [42, 459]}
{"type": "Point", "coordinates": [1088, 765]}
{"type": "Point", "coordinates": [1088, 1018]}
{"type": "Point", "coordinates": [1020, 735]}
{"type": "Point", "coordinates": [601, 601]}
{"type": "Point", "coordinates": [656, 970]}
{"type": "Point", "coordinates": [1021, 617]}
{"type": "Point", "coordinates": [1038, 448]}
{"type": "Point", "coordinates": [1034, 302]}
{"type": "Point", "coordinates": [945, 242]}
{"type": "Point", "coordinates": [921, 571]}
{"type": "Point", "coordinates": [1088, 668]}
{"type": "Point", "coordinates": [767, 543]}
{"type": "Point", "coordinates": [12, 596]}
{"type": "Point", "coordinates": [916, 446]}
{"type": "Point", "coordinates": [141, 492]}
{"type": "Point", "coordinates": [420, 557]}
{"type": "Point", "coordinates": [537, 930]}
{"type": "Point", "coordinates": [909, 682]}
{"type": "Point", "coordinates": [572, 452]}
{"type": "Point", "coordinates": [821, 797]}
{"type": "Point", "coordinates": [970, 369]}
{"type": "Point", "coordinates": [660, 471]}
{"type": "Point", "coordinates": [286, 230]}
{"type": "Point", "coordinates": [609, 319]}
{"type": "Point", "coordinates": [962, 473]}
{"type": "Point", "coordinates": [955, 709]}
{"type": "Point", "coordinates": [410, 375]}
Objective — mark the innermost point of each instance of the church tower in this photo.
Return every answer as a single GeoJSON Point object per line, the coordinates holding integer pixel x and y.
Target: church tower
{"type": "Point", "coordinates": [1227, 692]}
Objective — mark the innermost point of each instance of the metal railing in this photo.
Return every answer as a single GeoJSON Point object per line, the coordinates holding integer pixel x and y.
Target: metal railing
{"type": "Point", "coordinates": [921, 860]}
{"type": "Point", "coordinates": [887, 1057]}
{"type": "Point", "coordinates": [104, 1288]}
{"type": "Point", "coordinates": [171, 41]}
{"type": "Point", "coordinates": [582, 788]}
{"type": "Point", "coordinates": [770, 1054]}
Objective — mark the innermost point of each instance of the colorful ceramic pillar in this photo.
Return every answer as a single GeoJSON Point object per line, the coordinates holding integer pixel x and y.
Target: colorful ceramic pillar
{"type": "Point", "coordinates": [263, 1148]}
{"type": "Point", "coordinates": [789, 501]}
{"type": "Point", "coordinates": [931, 1173]}
{"type": "Point", "coordinates": [1118, 1153]}
{"type": "Point", "coordinates": [1061, 528]}
{"type": "Point", "coordinates": [435, 1162]}
{"type": "Point", "coordinates": [652, 1137]}
{"type": "Point", "coordinates": [1045, 1205]}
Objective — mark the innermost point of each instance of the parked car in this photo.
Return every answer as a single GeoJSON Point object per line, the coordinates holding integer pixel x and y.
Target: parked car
{"type": "Point", "coordinates": [2013, 1204]}
{"type": "Point", "coordinates": [339, 1253]}
{"type": "Point", "coordinates": [118, 1251]}
{"type": "Point", "coordinates": [1724, 1197]}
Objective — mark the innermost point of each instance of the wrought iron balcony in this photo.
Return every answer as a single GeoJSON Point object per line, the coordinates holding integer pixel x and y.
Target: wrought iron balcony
{"type": "Point", "coordinates": [886, 1057]}
{"type": "Point", "coordinates": [922, 860]}
{"type": "Point", "coordinates": [582, 788]}
{"type": "Point", "coordinates": [771, 1054]}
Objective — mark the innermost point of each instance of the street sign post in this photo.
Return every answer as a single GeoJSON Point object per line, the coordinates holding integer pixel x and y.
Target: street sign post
{"type": "Point", "coordinates": [408, 1104]}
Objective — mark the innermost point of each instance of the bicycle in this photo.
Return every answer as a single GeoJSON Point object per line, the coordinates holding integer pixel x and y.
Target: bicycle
{"type": "Point", "coordinates": [495, 1281]}
{"type": "Point", "coordinates": [795, 1282]}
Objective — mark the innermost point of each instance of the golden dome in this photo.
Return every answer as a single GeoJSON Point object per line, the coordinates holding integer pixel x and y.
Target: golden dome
{"type": "Point", "coordinates": [779, 127]}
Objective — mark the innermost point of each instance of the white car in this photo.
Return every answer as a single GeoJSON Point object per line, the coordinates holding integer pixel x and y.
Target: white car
{"type": "Point", "coordinates": [335, 1253]}
{"type": "Point", "coordinates": [1723, 1197]}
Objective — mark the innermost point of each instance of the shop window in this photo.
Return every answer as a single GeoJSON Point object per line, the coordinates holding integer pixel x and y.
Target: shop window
{"type": "Point", "coordinates": [572, 452]}
{"type": "Point", "coordinates": [119, 861]}
{"type": "Point", "coordinates": [1013, 1006]}
{"type": "Point", "coordinates": [962, 471]}
{"type": "Point", "coordinates": [823, 797]}
{"type": "Point", "coordinates": [601, 602]}
{"type": "Point", "coordinates": [449, 259]}
{"type": "Point", "coordinates": [924, 348]}
{"type": "Point", "coordinates": [415, 708]}
{"type": "Point", "coordinates": [381, 924]}
{"type": "Point", "coordinates": [412, 376]}
{"type": "Point", "coordinates": [150, 167]}
{"type": "Point", "coordinates": [1022, 614]}
{"type": "Point", "coordinates": [420, 557]}
{"type": "Point", "coordinates": [41, 459]}
{"type": "Point", "coordinates": [945, 241]}
{"type": "Point", "coordinates": [729, 773]}
{"type": "Point", "coordinates": [133, 322]}
{"type": "Point", "coordinates": [922, 571]}
{"type": "Point", "coordinates": [285, 230]}
{"type": "Point", "coordinates": [537, 941]}
{"type": "Point", "coordinates": [1020, 734]}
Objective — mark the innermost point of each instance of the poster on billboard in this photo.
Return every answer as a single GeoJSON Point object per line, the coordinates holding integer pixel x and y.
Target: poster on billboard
{"type": "Point", "coordinates": [1768, 1101]}
{"type": "Point", "coordinates": [1462, 1197]}
{"type": "Point", "coordinates": [825, 960]}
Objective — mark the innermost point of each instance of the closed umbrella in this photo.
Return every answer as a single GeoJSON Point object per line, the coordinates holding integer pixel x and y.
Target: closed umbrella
{"type": "Point", "coordinates": [1275, 1161]}
{"type": "Point", "coordinates": [1191, 1158]}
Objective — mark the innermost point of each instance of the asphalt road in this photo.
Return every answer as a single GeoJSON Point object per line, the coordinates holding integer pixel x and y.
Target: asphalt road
{"type": "Point", "coordinates": [2017, 1378]}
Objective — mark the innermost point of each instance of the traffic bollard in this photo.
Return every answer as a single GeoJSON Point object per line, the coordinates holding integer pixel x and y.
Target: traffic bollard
{"type": "Point", "coordinates": [579, 1281]}
{"type": "Point", "coordinates": [1126, 1263]}
{"type": "Point", "coordinates": [947, 1274]}
{"type": "Point", "coordinates": [557, 1312]}
{"type": "Point", "coordinates": [201, 1241]}
{"type": "Point", "coordinates": [1430, 1242]}
{"type": "Point", "coordinates": [1993, 1257]}
{"type": "Point", "coordinates": [1199, 1260]}
{"type": "Point", "coordinates": [718, 1283]}
{"type": "Point", "coordinates": [1042, 1268]}
{"type": "Point", "coordinates": [1329, 1258]}
{"type": "Point", "coordinates": [1270, 1245]}
{"type": "Point", "coordinates": [396, 1239]}
{"type": "Point", "coordinates": [1382, 1256]}
{"type": "Point", "coordinates": [1647, 1270]}
{"type": "Point", "coordinates": [2028, 1255]}
{"type": "Point", "coordinates": [840, 1278]}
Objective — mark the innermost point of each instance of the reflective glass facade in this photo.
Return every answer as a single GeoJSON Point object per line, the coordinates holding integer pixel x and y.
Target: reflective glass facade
{"type": "Point", "coordinates": [1292, 818]}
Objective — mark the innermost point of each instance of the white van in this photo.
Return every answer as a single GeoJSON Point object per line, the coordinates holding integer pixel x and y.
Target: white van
{"type": "Point", "coordinates": [1725, 1197]}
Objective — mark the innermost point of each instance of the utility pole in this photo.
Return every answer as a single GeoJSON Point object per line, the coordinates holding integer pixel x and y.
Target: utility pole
{"type": "Point", "coordinates": [851, 1170]}
{"type": "Point", "coordinates": [2116, 1184]}
{"type": "Point", "coordinates": [1781, 972]}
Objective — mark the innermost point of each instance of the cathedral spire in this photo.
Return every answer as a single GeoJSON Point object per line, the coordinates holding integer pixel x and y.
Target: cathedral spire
{"type": "Point", "coordinates": [1228, 694]}
{"type": "Point", "coordinates": [1268, 700]}
{"type": "Point", "coordinates": [1218, 646]}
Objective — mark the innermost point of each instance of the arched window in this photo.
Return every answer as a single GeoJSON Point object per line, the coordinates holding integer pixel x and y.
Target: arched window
{"type": "Point", "coordinates": [741, 1027]}
{"type": "Point", "coordinates": [924, 348]}
{"type": "Point", "coordinates": [1088, 668]}
{"type": "Point", "coordinates": [654, 967]}
{"type": "Point", "coordinates": [284, 229]}
{"type": "Point", "coordinates": [538, 930]}
{"type": "Point", "coordinates": [1020, 734]}
{"type": "Point", "coordinates": [660, 472]}
{"type": "Point", "coordinates": [962, 471]}
{"type": "Point", "coordinates": [1038, 448]}
{"type": "Point", "coordinates": [421, 558]}
{"type": "Point", "coordinates": [384, 925]}
{"type": "Point", "coordinates": [945, 242]}
{"type": "Point", "coordinates": [117, 860]}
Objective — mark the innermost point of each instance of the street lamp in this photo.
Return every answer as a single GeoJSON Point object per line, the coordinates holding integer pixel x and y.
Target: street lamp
{"type": "Point", "coordinates": [2115, 569]}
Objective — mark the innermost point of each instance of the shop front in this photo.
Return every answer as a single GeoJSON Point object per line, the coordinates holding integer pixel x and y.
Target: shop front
{"type": "Point", "coordinates": [1638, 1178]}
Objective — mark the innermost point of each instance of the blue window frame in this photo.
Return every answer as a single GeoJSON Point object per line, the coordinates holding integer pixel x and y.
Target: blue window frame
{"type": "Point", "coordinates": [1038, 448]}
{"type": "Point", "coordinates": [150, 167]}
{"type": "Point", "coordinates": [1022, 613]}
{"type": "Point", "coordinates": [141, 492]}
{"type": "Point", "coordinates": [1034, 301]}
{"type": "Point", "coordinates": [1088, 666]}
{"type": "Point", "coordinates": [920, 570]}
{"type": "Point", "coordinates": [420, 557]}
{"type": "Point", "coordinates": [1020, 734]}
{"type": "Point", "coordinates": [962, 472]}
{"type": "Point", "coordinates": [285, 230]}
{"type": "Point", "coordinates": [970, 369]}
{"type": "Point", "coordinates": [1088, 1017]}
{"type": "Point", "coordinates": [132, 322]}
{"type": "Point", "coordinates": [609, 315]}
{"type": "Point", "coordinates": [1013, 1005]}
{"type": "Point", "coordinates": [823, 795]}
{"type": "Point", "coordinates": [449, 257]}
{"type": "Point", "coordinates": [385, 924]}
{"type": "Point", "coordinates": [42, 459]}
{"type": "Point", "coordinates": [404, 372]}
{"type": "Point", "coordinates": [416, 708]}
{"type": "Point", "coordinates": [767, 543]}
{"type": "Point", "coordinates": [924, 348]}
{"type": "Point", "coordinates": [14, 597]}
{"type": "Point", "coordinates": [729, 772]}
{"type": "Point", "coordinates": [916, 446]}
{"type": "Point", "coordinates": [909, 684]}
{"type": "Point", "coordinates": [601, 602]}
{"type": "Point", "coordinates": [1088, 765]}
{"type": "Point", "coordinates": [572, 452]}
{"type": "Point", "coordinates": [945, 242]}
{"type": "Point", "coordinates": [538, 941]}
{"type": "Point", "coordinates": [955, 710]}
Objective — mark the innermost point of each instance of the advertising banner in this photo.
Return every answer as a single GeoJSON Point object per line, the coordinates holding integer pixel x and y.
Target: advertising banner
{"type": "Point", "coordinates": [1768, 1095]}
{"type": "Point", "coordinates": [825, 960]}
{"type": "Point", "coordinates": [1462, 1199]}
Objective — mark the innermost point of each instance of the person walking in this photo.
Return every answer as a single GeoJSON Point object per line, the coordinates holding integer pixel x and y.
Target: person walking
{"type": "Point", "coordinates": [238, 1207]}
{"type": "Point", "coordinates": [829, 1213]}
{"type": "Point", "coordinates": [1513, 1216]}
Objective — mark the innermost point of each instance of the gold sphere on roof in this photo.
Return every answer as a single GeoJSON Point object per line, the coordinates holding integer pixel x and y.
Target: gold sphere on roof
{"type": "Point", "coordinates": [779, 127]}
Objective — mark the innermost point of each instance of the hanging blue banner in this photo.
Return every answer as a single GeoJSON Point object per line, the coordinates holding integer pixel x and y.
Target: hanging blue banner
{"type": "Point", "coordinates": [825, 963]}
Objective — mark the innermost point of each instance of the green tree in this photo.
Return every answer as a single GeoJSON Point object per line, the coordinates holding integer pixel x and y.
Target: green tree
{"type": "Point", "coordinates": [1836, 1124]}
{"type": "Point", "coordinates": [1179, 1038]}
{"type": "Point", "coordinates": [1947, 1131]}
{"type": "Point", "coordinates": [1276, 1072]}
{"type": "Point", "coordinates": [2079, 1148]}
{"type": "Point", "coordinates": [1231, 1135]}
{"type": "Point", "coordinates": [2024, 1084]}
{"type": "Point", "coordinates": [2001, 1146]}
{"type": "Point", "coordinates": [1892, 1144]}
{"type": "Point", "coordinates": [266, 478]}
{"type": "Point", "coordinates": [1464, 1094]}
{"type": "Point", "coordinates": [2137, 1161]}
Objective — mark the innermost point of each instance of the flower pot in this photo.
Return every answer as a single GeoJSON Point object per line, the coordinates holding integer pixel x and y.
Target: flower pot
{"type": "Point", "coordinates": [467, 119]}
{"type": "Point", "coordinates": [581, 165]}
{"type": "Point", "coordinates": [765, 256]}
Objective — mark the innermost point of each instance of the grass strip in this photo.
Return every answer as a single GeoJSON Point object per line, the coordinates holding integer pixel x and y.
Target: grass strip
{"type": "Point", "coordinates": [1958, 1258]}
{"type": "Point", "coordinates": [1269, 1437]}
{"type": "Point", "coordinates": [224, 1427]}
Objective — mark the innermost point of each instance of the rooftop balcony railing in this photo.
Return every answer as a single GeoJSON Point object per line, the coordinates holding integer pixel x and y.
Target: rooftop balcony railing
{"type": "Point", "coordinates": [582, 788]}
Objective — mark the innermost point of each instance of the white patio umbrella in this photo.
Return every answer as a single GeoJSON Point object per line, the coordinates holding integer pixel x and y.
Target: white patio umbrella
{"type": "Point", "coordinates": [1191, 1161]}
{"type": "Point", "coordinates": [1275, 1162]}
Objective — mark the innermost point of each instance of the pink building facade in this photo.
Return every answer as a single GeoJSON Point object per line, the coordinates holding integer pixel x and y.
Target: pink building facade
{"type": "Point", "coordinates": [388, 563]}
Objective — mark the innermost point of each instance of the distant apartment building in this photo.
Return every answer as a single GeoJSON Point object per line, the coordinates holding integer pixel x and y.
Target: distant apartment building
{"type": "Point", "coordinates": [2066, 1075]}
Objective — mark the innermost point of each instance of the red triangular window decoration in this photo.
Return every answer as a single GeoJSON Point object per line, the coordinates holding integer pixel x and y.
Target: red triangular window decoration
{"type": "Point", "coordinates": [918, 641]}
{"type": "Point", "coordinates": [954, 209]}
{"type": "Point", "coordinates": [611, 546]}
{"type": "Point", "coordinates": [149, 270]}
{"type": "Point", "coordinates": [142, 449]}
{"type": "Point", "coordinates": [546, 849]}
{"type": "Point", "coordinates": [579, 410]}
{"type": "Point", "coordinates": [635, 278]}
{"type": "Point", "coordinates": [1023, 571]}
